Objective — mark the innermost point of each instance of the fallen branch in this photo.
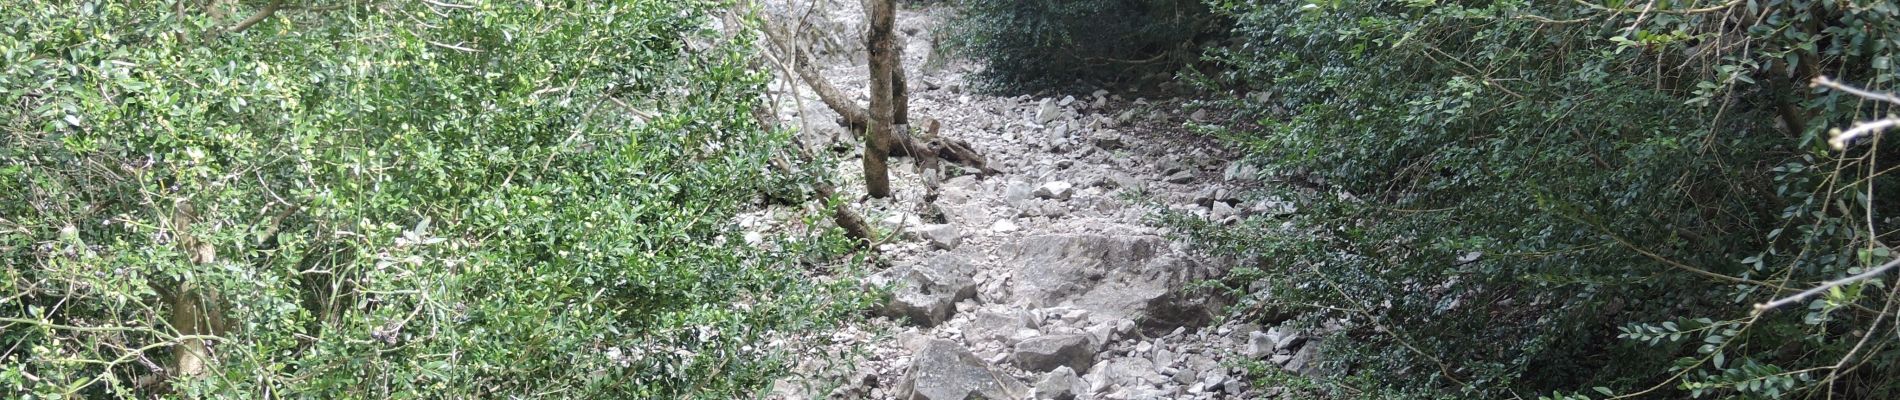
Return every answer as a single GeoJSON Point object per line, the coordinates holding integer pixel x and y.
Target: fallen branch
{"type": "Point", "coordinates": [857, 119]}
{"type": "Point", "coordinates": [853, 224]}
{"type": "Point", "coordinates": [854, 117]}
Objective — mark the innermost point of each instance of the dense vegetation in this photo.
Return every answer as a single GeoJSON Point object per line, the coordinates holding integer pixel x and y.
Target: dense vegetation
{"type": "Point", "coordinates": [1522, 199]}
{"type": "Point", "coordinates": [1044, 44]}
{"type": "Point", "coordinates": [259, 199]}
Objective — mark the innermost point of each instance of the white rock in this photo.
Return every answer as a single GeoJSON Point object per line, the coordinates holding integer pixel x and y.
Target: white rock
{"type": "Point", "coordinates": [1259, 344]}
{"type": "Point", "coordinates": [941, 236]}
{"type": "Point", "coordinates": [1047, 111]}
{"type": "Point", "coordinates": [1057, 190]}
{"type": "Point", "coordinates": [1004, 226]}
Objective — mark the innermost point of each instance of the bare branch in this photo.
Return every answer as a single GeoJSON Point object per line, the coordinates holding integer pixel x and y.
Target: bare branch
{"type": "Point", "coordinates": [1870, 274]}
{"type": "Point", "coordinates": [1836, 85]}
{"type": "Point", "coordinates": [260, 16]}
{"type": "Point", "coordinates": [449, 5]}
{"type": "Point", "coordinates": [454, 47]}
{"type": "Point", "coordinates": [1839, 138]}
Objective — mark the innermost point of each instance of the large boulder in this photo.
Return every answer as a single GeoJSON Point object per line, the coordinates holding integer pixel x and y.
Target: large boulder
{"type": "Point", "coordinates": [926, 294]}
{"type": "Point", "coordinates": [1112, 276]}
{"type": "Point", "coordinates": [1306, 361]}
{"type": "Point", "coordinates": [943, 370]}
{"type": "Point", "coordinates": [1126, 372]}
{"type": "Point", "coordinates": [941, 236]}
{"type": "Point", "coordinates": [1048, 352]}
{"type": "Point", "coordinates": [1060, 384]}
{"type": "Point", "coordinates": [998, 325]}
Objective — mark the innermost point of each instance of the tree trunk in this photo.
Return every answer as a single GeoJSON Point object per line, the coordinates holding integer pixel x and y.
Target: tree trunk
{"type": "Point", "coordinates": [877, 143]}
{"type": "Point", "coordinates": [195, 310]}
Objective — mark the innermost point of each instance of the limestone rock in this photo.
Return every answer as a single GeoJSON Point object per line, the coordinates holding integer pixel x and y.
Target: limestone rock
{"type": "Point", "coordinates": [1306, 361]}
{"type": "Point", "coordinates": [1060, 384]}
{"type": "Point", "coordinates": [1057, 190]}
{"type": "Point", "coordinates": [927, 294]}
{"type": "Point", "coordinates": [1004, 226]}
{"type": "Point", "coordinates": [941, 236]}
{"type": "Point", "coordinates": [1045, 353]}
{"type": "Point", "coordinates": [1259, 344]}
{"type": "Point", "coordinates": [997, 325]}
{"type": "Point", "coordinates": [1046, 111]}
{"type": "Point", "coordinates": [942, 370]}
{"type": "Point", "coordinates": [1180, 177]}
{"type": "Point", "coordinates": [1114, 277]}
{"type": "Point", "coordinates": [1126, 372]}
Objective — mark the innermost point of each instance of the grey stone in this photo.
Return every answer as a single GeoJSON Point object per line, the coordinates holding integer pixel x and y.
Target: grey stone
{"type": "Point", "coordinates": [1182, 176]}
{"type": "Point", "coordinates": [1306, 361]}
{"type": "Point", "coordinates": [1057, 190]}
{"type": "Point", "coordinates": [1045, 353]}
{"type": "Point", "coordinates": [1125, 117]}
{"type": "Point", "coordinates": [1241, 171]}
{"type": "Point", "coordinates": [1113, 277]}
{"type": "Point", "coordinates": [1018, 192]}
{"type": "Point", "coordinates": [942, 370]}
{"type": "Point", "coordinates": [1213, 382]}
{"type": "Point", "coordinates": [1046, 111]}
{"type": "Point", "coordinates": [927, 294]}
{"type": "Point", "coordinates": [1127, 372]}
{"type": "Point", "coordinates": [1223, 210]}
{"type": "Point", "coordinates": [1109, 141]}
{"type": "Point", "coordinates": [942, 236]}
{"type": "Point", "coordinates": [1004, 226]}
{"type": "Point", "coordinates": [1181, 376]}
{"type": "Point", "coordinates": [1259, 344]}
{"type": "Point", "coordinates": [995, 325]}
{"type": "Point", "coordinates": [1060, 384]}
{"type": "Point", "coordinates": [1284, 338]}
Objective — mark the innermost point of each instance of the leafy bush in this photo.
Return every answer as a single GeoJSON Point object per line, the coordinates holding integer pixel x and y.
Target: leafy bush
{"type": "Point", "coordinates": [1572, 198]}
{"type": "Point", "coordinates": [386, 199]}
{"type": "Point", "coordinates": [1053, 44]}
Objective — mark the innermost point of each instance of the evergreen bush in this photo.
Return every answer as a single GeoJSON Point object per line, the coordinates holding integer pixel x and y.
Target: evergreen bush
{"type": "Point", "coordinates": [387, 200]}
{"type": "Point", "coordinates": [1029, 45]}
{"type": "Point", "coordinates": [1519, 199]}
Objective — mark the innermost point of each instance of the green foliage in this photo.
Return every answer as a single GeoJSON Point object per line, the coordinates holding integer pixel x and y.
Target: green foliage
{"type": "Point", "coordinates": [1029, 45]}
{"type": "Point", "coordinates": [1552, 197]}
{"type": "Point", "coordinates": [388, 199]}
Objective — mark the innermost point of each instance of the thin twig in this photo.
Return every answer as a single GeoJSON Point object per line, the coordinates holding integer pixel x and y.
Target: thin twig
{"type": "Point", "coordinates": [454, 47]}
{"type": "Point", "coordinates": [1836, 85]}
{"type": "Point", "coordinates": [1870, 274]}
{"type": "Point", "coordinates": [449, 5]}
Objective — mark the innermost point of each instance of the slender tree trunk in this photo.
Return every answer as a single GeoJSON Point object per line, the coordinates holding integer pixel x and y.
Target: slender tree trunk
{"type": "Point", "coordinates": [195, 311]}
{"type": "Point", "coordinates": [877, 143]}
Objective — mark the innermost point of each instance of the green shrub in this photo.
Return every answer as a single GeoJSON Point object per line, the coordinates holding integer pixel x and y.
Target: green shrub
{"type": "Point", "coordinates": [1031, 45]}
{"type": "Point", "coordinates": [387, 199]}
{"type": "Point", "coordinates": [1529, 198]}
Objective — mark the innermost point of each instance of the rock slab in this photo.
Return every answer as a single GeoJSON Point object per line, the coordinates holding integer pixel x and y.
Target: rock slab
{"type": "Point", "coordinates": [1049, 352]}
{"type": "Point", "coordinates": [943, 370]}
